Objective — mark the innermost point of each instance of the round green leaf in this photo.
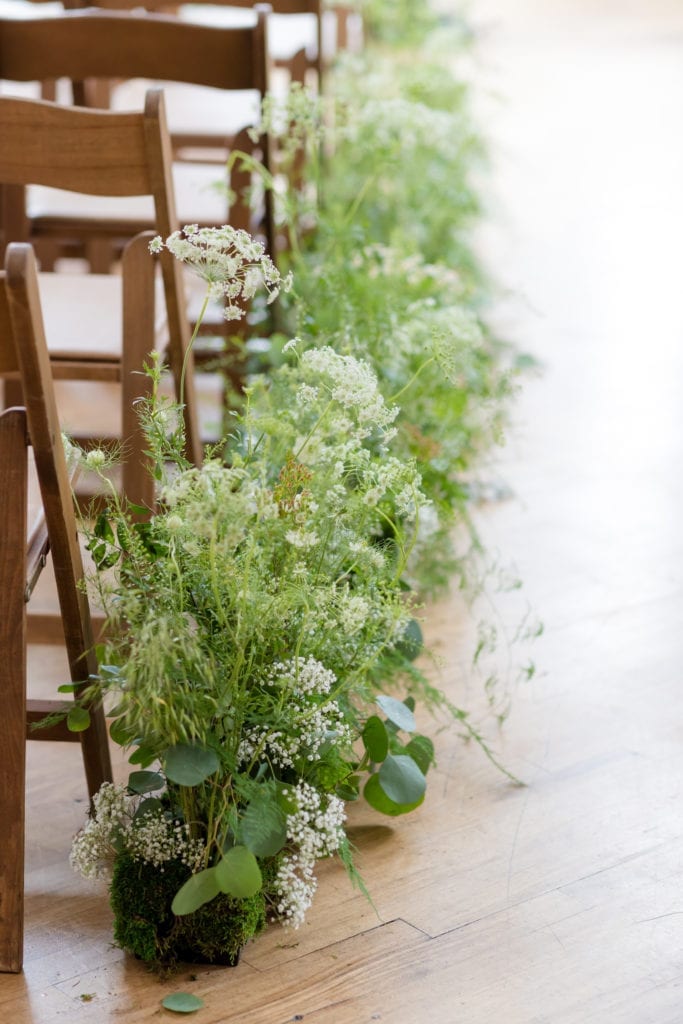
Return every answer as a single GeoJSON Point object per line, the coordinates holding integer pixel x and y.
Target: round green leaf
{"type": "Point", "coordinates": [78, 719]}
{"type": "Point", "coordinates": [150, 806]}
{"type": "Point", "coordinates": [142, 755]}
{"type": "Point", "coordinates": [182, 1002]}
{"type": "Point", "coordinates": [119, 733]}
{"type": "Point", "coordinates": [421, 749]}
{"type": "Point", "coordinates": [189, 765]}
{"type": "Point", "coordinates": [377, 798]}
{"type": "Point", "coordinates": [376, 739]}
{"type": "Point", "coordinates": [238, 873]}
{"type": "Point", "coordinates": [198, 890]}
{"type": "Point", "coordinates": [145, 782]}
{"type": "Point", "coordinates": [401, 779]}
{"type": "Point", "coordinates": [397, 712]}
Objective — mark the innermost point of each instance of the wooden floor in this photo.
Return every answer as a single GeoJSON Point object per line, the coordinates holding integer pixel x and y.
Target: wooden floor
{"type": "Point", "coordinates": [560, 902]}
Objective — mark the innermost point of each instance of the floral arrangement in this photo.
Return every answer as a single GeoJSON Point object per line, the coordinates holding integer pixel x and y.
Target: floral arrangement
{"type": "Point", "coordinates": [264, 617]}
{"type": "Point", "coordinates": [256, 619]}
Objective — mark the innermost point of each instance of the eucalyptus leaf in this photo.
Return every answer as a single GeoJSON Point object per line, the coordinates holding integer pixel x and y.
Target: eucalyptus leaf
{"type": "Point", "coordinates": [198, 890]}
{"type": "Point", "coordinates": [142, 755]}
{"type": "Point", "coordinates": [377, 798]}
{"type": "Point", "coordinates": [421, 749]}
{"type": "Point", "coordinates": [119, 733]}
{"type": "Point", "coordinates": [78, 719]}
{"type": "Point", "coordinates": [401, 779]}
{"type": "Point", "coordinates": [189, 765]}
{"type": "Point", "coordinates": [412, 641]}
{"type": "Point", "coordinates": [150, 806]}
{"type": "Point", "coordinates": [145, 782]}
{"type": "Point", "coordinates": [397, 712]}
{"type": "Point", "coordinates": [238, 873]}
{"type": "Point", "coordinates": [182, 1002]}
{"type": "Point", "coordinates": [376, 739]}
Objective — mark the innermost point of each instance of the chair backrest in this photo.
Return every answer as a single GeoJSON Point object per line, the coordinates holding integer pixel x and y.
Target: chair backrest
{"type": "Point", "coordinates": [94, 47]}
{"type": "Point", "coordinates": [100, 153]}
{"type": "Point", "coordinates": [120, 44]}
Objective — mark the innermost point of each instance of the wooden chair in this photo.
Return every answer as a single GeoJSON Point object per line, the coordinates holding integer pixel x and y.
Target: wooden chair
{"type": "Point", "coordinates": [23, 353]}
{"type": "Point", "coordinates": [295, 51]}
{"type": "Point", "coordinates": [97, 47]}
{"type": "Point", "coordinates": [99, 153]}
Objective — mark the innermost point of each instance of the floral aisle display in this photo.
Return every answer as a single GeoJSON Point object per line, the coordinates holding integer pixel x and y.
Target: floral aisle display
{"type": "Point", "coordinates": [256, 620]}
{"type": "Point", "coordinates": [265, 617]}
{"type": "Point", "coordinates": [376, 199]}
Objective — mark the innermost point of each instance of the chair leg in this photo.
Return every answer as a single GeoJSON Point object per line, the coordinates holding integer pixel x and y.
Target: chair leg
{"type": "Point", "coordinates": [13, 482]}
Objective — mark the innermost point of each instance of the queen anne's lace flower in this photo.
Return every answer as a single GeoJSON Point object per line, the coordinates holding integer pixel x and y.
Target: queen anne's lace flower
{"type": "Point", "coordinates": [232, 263]}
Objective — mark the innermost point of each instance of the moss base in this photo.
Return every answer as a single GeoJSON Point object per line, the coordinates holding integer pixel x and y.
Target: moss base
{"type": "Point", "coordinates": [141, 897]}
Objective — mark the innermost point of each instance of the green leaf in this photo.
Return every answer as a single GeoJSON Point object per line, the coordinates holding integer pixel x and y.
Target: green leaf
{"type": "Point", "coordinates": [377, 798]}
{"type": "Point", "coordinates": [103, 528]}
{"type": "Point", "coordinates": [397, 712]}
{"type": "Point", "coordinates": [68, 687]}
{"type": "Point", "coordinates": [264, 825]}
{"type": "Point", "coordinates": [412, 641]}
{"type": "Point", "coordinates": [376, 739]}
{"type": "Point", "coordinates": [182, 1002]}
{"type": "Point", "coordinates": [189, 765]}
{"type": "Point", "coordinates": [111, 671]}
{"type": "Point", "coordinates": [119, 733]}
{"type": "Point", "coordinates": [150, 806]}
{"type": "Point", "coordinates": [347, 790]}
{"type": "Point", "coordinates": [145, 782]}
{"type": "Point", "coordinates": [238, 873]}
{"type": "Point", "coordinates": [198, 890]}
{"type": "Point", "coordinates": [401, 779]}
{"type": "Point", "coordinates": [421, 749]}
{"type": "Point", "coordinates": [78, 719]}
{"type": "Point", "coordinates": [142, 755]}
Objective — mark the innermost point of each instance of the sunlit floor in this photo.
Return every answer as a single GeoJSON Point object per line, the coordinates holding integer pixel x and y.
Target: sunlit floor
{"type": "Point", "coordinates": [560, 902]}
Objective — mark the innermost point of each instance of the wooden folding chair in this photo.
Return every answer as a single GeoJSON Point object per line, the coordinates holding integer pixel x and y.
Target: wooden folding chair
{"type": "Point", "coordinates": [99, 153]}
{"type": "Point", "coordinates": [97, 47]}
{"type": "Point", "coordinates": [23, 353]}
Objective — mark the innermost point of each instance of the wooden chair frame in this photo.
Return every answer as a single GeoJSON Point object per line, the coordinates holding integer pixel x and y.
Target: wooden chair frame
{"type": "Point", "coordinates": [105, 154]}
{"type": "Point", "coordinates": [93, 47]}
{"type": "Point", "coordinates": [23, 353]}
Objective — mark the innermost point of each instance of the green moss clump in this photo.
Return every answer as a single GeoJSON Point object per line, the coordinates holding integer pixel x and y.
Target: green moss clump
{"type": "Point", "coordinates": [144, 924]}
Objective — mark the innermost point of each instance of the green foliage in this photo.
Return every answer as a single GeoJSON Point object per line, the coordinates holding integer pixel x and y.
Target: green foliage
{"type": "Point", "coordinates": [238, 873]}
{"type": "Point", "coordinates": [267, 608]}
{"type": "Point", "coordinates": [189, 765]}
{"type": "Point", "coordinates": [264, 824]}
